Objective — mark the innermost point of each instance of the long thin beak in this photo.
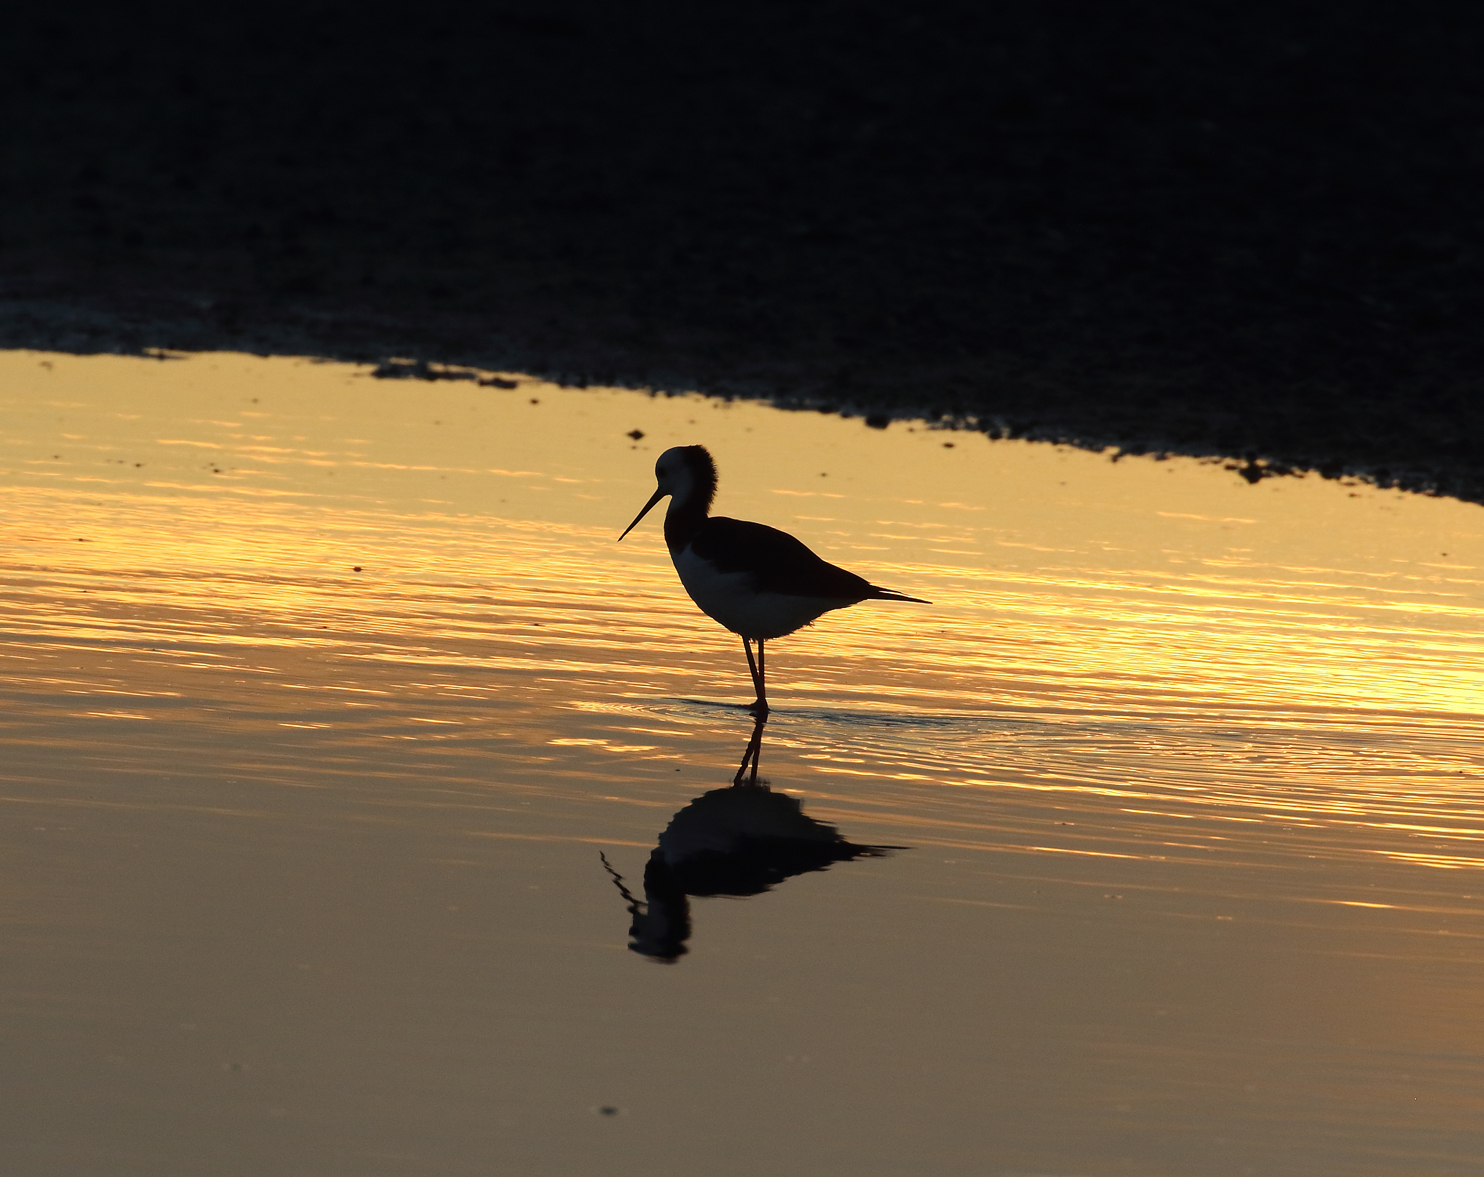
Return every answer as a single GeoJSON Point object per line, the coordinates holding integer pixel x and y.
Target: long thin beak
{"type": "Point", "coordinates": [658, 495]}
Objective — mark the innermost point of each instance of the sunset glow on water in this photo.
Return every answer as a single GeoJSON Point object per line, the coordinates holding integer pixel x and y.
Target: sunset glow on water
{"type": "Point", "coordinates": [322, 694]}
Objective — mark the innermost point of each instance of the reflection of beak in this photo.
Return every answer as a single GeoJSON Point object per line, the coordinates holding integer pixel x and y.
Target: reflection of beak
{"type": "Point", "coordinates": [656, 497]}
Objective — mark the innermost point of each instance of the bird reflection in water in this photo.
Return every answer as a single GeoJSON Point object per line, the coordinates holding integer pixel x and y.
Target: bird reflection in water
{"type": "Point", "coordinates": [740, 840]}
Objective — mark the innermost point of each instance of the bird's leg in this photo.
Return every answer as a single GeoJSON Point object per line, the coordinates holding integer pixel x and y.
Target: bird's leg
{"type": "Point", "coordinates": [755, 669]}
{"type": "Point", "coordinates": [751, 663]}
{"type": "Point", "coordinates": [762, 681]}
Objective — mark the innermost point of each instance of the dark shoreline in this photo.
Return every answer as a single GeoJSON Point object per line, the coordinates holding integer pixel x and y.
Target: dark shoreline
{"type": "Point", "coordinates": [1252, 231]}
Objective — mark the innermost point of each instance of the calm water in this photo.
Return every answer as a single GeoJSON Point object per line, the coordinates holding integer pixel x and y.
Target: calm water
{"type": "Point", "coordinates": [326, 699]}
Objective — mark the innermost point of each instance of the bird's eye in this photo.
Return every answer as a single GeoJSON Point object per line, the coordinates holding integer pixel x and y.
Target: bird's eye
{"type": "Point", "coordinates": [661, 471]}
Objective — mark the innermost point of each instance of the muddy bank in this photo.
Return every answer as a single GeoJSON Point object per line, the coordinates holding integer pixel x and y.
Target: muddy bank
{"type": "Point", "coordinates": [1248, 230]}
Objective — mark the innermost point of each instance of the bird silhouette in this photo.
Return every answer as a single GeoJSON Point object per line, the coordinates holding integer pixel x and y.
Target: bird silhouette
{"type": "Point", "coordinates": [757, 581]}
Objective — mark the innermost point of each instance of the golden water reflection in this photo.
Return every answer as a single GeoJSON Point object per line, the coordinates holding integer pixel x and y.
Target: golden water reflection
{"type": "Point", "coordinates": [1190, 767]}
{"type": "Point", "coordinates": [737, 841]}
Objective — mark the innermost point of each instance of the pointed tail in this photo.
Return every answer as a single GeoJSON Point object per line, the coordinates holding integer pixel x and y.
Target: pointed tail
{"type": "Point", "coordinates": [882, 594]}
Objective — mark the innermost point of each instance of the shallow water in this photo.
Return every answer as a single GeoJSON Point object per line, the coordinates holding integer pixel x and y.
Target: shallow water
{"type": "Point", "coordinates": [325, 694]}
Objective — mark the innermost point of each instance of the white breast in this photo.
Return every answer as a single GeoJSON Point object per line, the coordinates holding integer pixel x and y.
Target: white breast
{"type": "Point", "coordinates": [730, 599]}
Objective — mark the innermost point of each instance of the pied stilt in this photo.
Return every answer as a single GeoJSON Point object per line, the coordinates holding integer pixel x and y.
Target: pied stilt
{"type": "Point", "coordinates": [757, 581]}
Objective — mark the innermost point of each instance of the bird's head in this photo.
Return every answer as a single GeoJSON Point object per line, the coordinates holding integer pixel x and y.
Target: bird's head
{"type": "Point", "coordinates": [685, 472]}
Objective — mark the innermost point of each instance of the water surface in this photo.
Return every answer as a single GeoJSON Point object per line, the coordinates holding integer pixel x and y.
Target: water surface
{"type": "Point", "coordinates": [323, 696]}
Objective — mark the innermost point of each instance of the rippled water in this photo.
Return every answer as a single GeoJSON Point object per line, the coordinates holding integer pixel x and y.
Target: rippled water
{"type": "Point", "coordinates": [323, 695]}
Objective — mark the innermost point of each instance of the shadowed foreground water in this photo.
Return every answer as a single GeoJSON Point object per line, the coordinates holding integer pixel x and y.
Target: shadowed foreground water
{"type": "Point", "coordinates": [1150, 847]}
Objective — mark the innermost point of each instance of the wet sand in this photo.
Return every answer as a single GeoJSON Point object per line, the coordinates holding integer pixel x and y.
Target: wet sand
{"type": "Point", "coordinates": [321, 703]}
{"type": "Point", "coordinates": [1204, 229]}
